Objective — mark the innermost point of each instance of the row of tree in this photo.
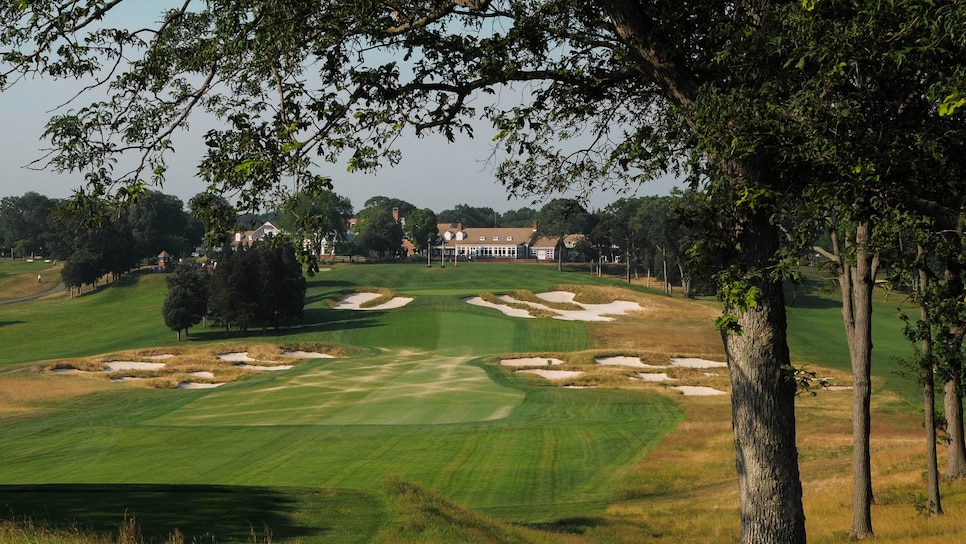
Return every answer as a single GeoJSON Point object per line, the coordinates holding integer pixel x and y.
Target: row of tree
{"type": "Point", "coordinates": [260, 286]}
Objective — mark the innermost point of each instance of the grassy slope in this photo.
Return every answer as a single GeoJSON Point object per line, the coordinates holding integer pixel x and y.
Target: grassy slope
{"type": "Point", "coordinates": [556, 453]}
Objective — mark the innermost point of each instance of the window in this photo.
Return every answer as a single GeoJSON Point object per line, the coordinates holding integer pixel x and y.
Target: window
{"type": "Point", "coordinates": [509, 238]}
{"type": "Point", "coordinates": [482, 238]}
{"type": "Point", "coordinates": [496, 238]}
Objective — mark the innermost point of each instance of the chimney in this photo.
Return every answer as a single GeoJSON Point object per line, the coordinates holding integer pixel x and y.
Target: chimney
{"type": "Point", "coordinates": [459, 226]}
{"type": "Point", "coordinates": [395, 214]}
{"type": "Point", "coordinates": [534, 226]}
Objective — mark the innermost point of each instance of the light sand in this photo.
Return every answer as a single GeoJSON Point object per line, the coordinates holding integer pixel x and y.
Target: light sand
{"type": "Point", "coordinates": [114, 366]}
{"type": "Point", "coordinates": [553, 374]}
{"type": "Point", "coordinates": [698, 391]}
{"type": "Point", "coordinates": [531, 361]}
{"type": "Point", "coordinates": [634, 362]}
{"type": "Point", "coordinates": [195, 385]}
{"type": "Point", "coordinates": [591, 312]}
{"type": "Point", "coordinates": [263, 367]}
{"type": "Point", "coordinates": [238, 357]}
{"type": "Point", "coordinates": [512, 312]}
{"type": "Point", "coordinates": [654, 377]}
{"type": "Point", "coordinates": [298, 354]}
{"type": "Point", "coordinates": [689, 362]}
{"type": "Point", "coordinates": [353, 301]}
{"type": "Point", "coordinates": [202, 374]}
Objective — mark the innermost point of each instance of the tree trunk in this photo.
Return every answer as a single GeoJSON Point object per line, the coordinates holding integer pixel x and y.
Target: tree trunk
{"type": "Point", "coordinates": [953, 404]}
{"type": "Point", "coordinates": [929, 407]}
{"type": "Point", "coordinates": [953, 387]}
{"type": "Point", "coordinates": [763, 416]}
{"type": "Point", "coordinates": [763, 402]}
{"type": "Point", "coordinates": [860, 352]}
{"type": "Point", "coordinates": [856, 282]}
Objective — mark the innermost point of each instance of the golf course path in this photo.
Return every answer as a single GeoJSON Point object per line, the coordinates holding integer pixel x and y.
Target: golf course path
{"type": "Point", "coordinates": [52, 291]}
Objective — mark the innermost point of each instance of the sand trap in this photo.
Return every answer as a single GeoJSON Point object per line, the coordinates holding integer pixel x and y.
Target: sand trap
{"type": "Point", "coordinates": [127, 379]}
{"type": "Point", "coordinates": [838, 388]}
{"type": "Point", "coordinates": [202, 374]}
{"type": "Point", "coordinates": [553, 374]}
{"type": "Point", "coordinates": [353, 301]}
{"type": "Point", "coordinates": [531, 361]}
{"type": "Point", "coordinates": [689, 362]}
{"type": "Point", "coordinates": [621, 361]}
{"type": "Point", "coordinates": [298, 354]}
{"type": "Point", "coordinates": [195, 385]}
{"type": "Point", "coordinates": [512, 312]}
{"type": "Point", "coordinates": [591, 312]}
{"type": "Point", "coordinates": [262, 367]}
{"type": "Point", "coordinates": [654, 377]}
{"type": "Point", "coordinates": [114, 366]}
{"type": "Point", "coordinates": [698, 391]}
{"type": "Point", "coordinates": [241, 357]}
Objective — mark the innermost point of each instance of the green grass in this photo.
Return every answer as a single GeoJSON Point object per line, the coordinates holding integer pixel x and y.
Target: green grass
{"type": "Point", "coordinates": [816, 335]}
{"type": "Point", "coordinates": [424, 405]}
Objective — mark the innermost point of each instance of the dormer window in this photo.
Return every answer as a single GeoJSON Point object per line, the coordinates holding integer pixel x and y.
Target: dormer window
{"type": "Point", "coordinates": [496, 238]}
{"type": "Point", "coordinates": [482, 238]}
{"type": "Point", "coordinates": [509, 238]}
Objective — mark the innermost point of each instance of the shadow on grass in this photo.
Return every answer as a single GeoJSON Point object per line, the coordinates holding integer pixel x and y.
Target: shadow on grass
{"type": "Point", "coordinates": [315, 320]}
{"type": "Point", "coordinates": [200, 512]}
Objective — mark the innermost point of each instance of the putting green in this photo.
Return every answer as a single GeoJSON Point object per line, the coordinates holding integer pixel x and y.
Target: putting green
{"type": "Point", "coordinates": [397, 388]}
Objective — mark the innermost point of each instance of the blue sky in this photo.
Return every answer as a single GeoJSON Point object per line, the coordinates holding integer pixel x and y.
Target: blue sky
{"type": "Point", "coordinates": [434, 173]}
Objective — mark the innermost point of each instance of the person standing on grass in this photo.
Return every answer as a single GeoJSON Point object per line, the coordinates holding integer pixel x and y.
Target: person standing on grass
{"type": "Point", "coordinates": [40, 278]}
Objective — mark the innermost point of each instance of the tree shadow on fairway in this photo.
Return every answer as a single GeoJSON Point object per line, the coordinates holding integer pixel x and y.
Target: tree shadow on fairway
{"type": "Point", "coordinates": [315, 320]}
{"type": "Point", "coordinates": [5, 323]}
{"type": "Point", "coordinates": [200, 513]}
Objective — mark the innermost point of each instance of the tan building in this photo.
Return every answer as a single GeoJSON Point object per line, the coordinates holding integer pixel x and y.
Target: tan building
{"type": "Point", "coordinates": [469, 243]}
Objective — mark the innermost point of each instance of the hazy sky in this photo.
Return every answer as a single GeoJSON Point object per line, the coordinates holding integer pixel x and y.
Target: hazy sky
{"type": "Point", "coordinates": [434, 173]}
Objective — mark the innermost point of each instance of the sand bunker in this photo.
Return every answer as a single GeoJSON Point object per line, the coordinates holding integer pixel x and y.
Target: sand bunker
{"type": "Point", "coordinates": [239, 357]}
{"type": "Point", "coordinates": [263, 367]}
{"type": "Point", "coordinates": [591, 312]}
{"type": "Point", "coordinates": [114, 366]}
{"type": "Point", "coordinates": [698, 391]}
{"type": "Point", "coordinates": [654, 377]}
{"type": "Point", "coordinates": [195, 385]}
{"type": "Point", "coordinates": [202, 374]}
{"type": "Point", "coordinates": [634, 362]}
{"type": "Point", "coordinates": [689, 362]}
{"type": "Point", "coordinates": [298, 354]}
{"type": "Point", "coordinates": [163, 356]}
{"type": "Point", "coordinates": [531, 361]}
{"type": "Point", "coordinates": [353, 301]}
{"type": "Point", "coordinates": [512, 312]}
{"type": "Point", "coordinates": [553, 374]}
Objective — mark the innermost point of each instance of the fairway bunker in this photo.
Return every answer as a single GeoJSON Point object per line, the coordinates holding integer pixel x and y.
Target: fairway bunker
{"type": "Point", "coordinates": [355, 301]}
{"type": "Point", "coordinates": [531, 361]}
{"type": "Point", "coordinates": [698, 391]}
{"type": "Point", "coordinates": [554, 374]}
{"type": "Point", "coordinates": [654, 377]}
{"type": "Point", "coordinates": [633, 362]}
{"type": "Point", "coordinates": [590, 312]}
{"type": "Point", "coordinates": [690, 362]}
{"type": "Point", "coordinates": [299, 354]}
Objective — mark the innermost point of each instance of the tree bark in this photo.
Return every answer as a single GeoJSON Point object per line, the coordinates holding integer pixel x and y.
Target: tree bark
{"type": "Point", "coordinates": [856, 282]}
{"type": "Point", "coordinates": [953, 405]}
{"type": "Point", "coordinates": [934, 508]}
{"type": "Point", "coordinates": [763, 402]}
{"type": "Point", "coordinates": [860, 351]}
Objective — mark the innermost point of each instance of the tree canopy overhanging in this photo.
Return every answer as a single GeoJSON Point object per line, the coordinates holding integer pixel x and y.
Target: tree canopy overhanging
{"type": "Point", "coordinates": [772, 106]}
